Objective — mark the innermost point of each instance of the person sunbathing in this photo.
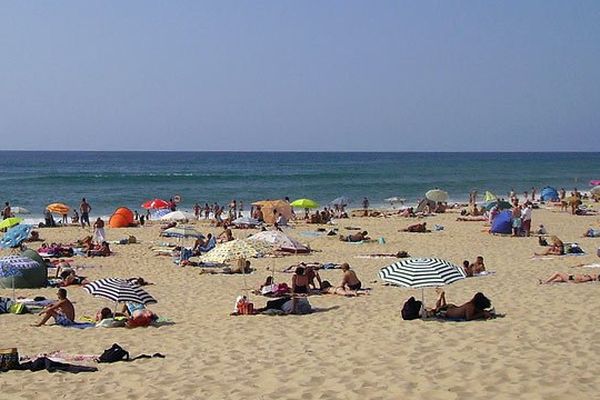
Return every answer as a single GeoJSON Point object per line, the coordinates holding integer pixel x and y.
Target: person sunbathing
{"type": "Point", "coordinates": [357, 237]}
{"type": "Point", "coordinates": [300, 281]}
{"type": "Point", "coordinates": [69, 277]}
{"type": "Point", "coordinates": [472, 310]}
{"type": "Point", "coordinates": [422, 227]}
{"type": "Point", "coordinates": [243, 267]}
{"type": "Point", "coordinates": [225, 236]}
{"type": "Point", "coordinates": [557, 248]}
{"type": "Point", "coordinates": [102, 251]}
{"type": "Point", "coordinates": [62, 310]}
{"type": "Point", "coordinates": [328, 288]}
{"type": "Point", "coordinates": [559, 277]}
{"type": "Point", "coordinates": [400, 254]}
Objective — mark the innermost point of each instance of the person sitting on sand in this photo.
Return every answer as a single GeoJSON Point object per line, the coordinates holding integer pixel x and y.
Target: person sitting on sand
{"type": "Point", "coordinates": [557, 248]}
{"type": "Point", "coordinates": [349, 279]}
{"type": "Point", "coordinates": [472, 310]}
{"type": "Point", "coordinates": [225, 236]}
{"type": "Point", "coordinates": [422, 227]}
{"type": "Point", "coordinates": [300, 281]}
{"type": "Point", "coordinates": [559, 277]}
{"type": "Point", "coordinates": [357, 237]}
{"type": "Point", "coordinates": [62, 310]}
{"type": "Point", "coordinates": [478, 266]}
{"type": "Point", "coordinates": [467, 268]}
{"type": "Point", "coordinates": [102, 251]}
{"type": "Point", "coordinates": [328, 288]}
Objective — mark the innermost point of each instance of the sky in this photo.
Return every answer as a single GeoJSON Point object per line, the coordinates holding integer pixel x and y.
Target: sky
{"type": "Point", "coordinates": [300, 76]}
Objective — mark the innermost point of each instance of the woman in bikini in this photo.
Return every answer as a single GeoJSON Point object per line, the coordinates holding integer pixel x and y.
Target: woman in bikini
{"type": "Point", "coordinates": [328, 288]}
{"type": "Point", "coordinates": [300, 281]}
{"type": "Point", "coordinates": [559, 277]}
{"type": "Point", "coordinates": [557, 248]}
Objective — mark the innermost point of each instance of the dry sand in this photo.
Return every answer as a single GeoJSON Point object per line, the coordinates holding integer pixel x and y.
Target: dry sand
{"type": "Point", "coordinates": [355, 348]}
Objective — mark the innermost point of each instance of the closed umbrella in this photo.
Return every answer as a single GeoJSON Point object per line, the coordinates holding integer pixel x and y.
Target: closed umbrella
{"type": "Point", "coordinates": [422, 273]}
{"type": "Point", "coordinates": [156, 204]}
{"type": "Point", "coordinates": [119, 290]}
{"type": "Point", "coordinates": [437, 195]}
{"type": "Point", "coordinates": [304, 203]}
{"type": "Point", "coordinates": [58, 208]}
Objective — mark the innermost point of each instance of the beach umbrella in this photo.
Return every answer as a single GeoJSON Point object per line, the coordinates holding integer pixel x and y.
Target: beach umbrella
{"type": "Point", "coordinates": [500, 204]}
{"type": "Point", "coordinates": [119, 290]}
{"type": "Point", "coordinates": [437, 195]}
{"type": "Point", "coordinates": [304, 203]}
{"type": "Point", "coordinates": [182, 232]}
{"type": "Point", "coordinates": [156, 204]}
{"type": "Point", "coordinates": [340, 201]}
{"type": "Point", "coordinates": [20, 210]}
{"type": "Point", "coordinates": [235, 250]}
{"type": "Point", "coordinates": [15, 236]}
{"type": "Point", "coordinates": [12, 266]}
{"type": "Point", "coordinates": [595, 191]}
{"type": "Point", "coordinates": [10, 222]}
{"type": "Point", "coordinates": [279, 240]}
{"type": "Point", "coordinates": [178, 216]}
{"type": "Point", "coordinates": [489, 196]}
{"type": "Point", "coordinates": [245, 221]}
{"type": "Point", "coordinates": [58, 208]}
{"type": "Point", "coordinates": [422, 273]}
{"type": "Point", "coordinates": [394, 200]}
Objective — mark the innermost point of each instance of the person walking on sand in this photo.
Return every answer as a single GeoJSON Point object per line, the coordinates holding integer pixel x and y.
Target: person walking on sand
{"type": "Point", "coordinates": [62, 310]}
{"type": "Point", "coordinates": [85, 210]}
{"type": "Point", "coordinates": [99, 235]}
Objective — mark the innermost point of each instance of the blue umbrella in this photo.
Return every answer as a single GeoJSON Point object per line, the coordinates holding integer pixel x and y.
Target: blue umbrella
{"type": "Point", "coordinates": [15, 236]}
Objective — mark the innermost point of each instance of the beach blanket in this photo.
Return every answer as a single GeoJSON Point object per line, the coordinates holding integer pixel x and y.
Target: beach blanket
{"type": "Point", "coordinates": [484, 273]}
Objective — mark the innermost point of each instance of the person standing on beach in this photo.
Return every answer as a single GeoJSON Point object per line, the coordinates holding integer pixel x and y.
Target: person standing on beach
{"type": "Point", "coordinates": [533, 191]}
{"type": "Point", "coordinates": [197, 210]}
{"type": "Point", "coordinates": [365, 204]}
{"type": "Point", "coordinates": [6, 212]}
{"type": "Point", "coordinates": [85, 209]}
{"type": "Point", "coordinates": [526, 218]}
{"type": "Point", "coordinates": [99, 235]}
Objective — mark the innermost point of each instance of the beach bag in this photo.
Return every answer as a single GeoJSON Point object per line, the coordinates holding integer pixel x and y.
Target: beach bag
{"type": "Point", "coordinates": [411, 309]}
{"type": "Point", "coordinates": [17, 308]}
{"type": "Point", "coordinates": [9, 359]}
{"type": "Point", "coordinates": [114, 354]}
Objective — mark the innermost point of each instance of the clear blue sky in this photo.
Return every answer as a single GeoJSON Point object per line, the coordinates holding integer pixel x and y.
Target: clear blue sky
{"type": "Point", "coordinates": [305, 75]}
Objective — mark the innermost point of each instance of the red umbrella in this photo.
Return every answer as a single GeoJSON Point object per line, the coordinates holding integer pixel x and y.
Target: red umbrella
{"type": "Point", "coordinates": [156, 204]}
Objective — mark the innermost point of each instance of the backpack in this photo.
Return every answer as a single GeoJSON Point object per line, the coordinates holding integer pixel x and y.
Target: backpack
{"type": "Point", "coordinates": [411, 309]}
{"type": "Point", "coordinates": [114, 354]}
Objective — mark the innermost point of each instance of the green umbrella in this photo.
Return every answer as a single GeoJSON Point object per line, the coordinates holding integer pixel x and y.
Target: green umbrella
{"type": "Point", "coordinates": [10, 222]}
{"type": "Point", "coordinates": [304, 203]}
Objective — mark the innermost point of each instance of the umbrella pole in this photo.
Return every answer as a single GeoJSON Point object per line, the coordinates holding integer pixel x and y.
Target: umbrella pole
{"type": "Point", "coordinates": [13, 288]}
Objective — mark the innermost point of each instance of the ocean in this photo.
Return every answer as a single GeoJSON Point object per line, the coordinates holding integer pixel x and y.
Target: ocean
{"type": "Point", "coordinates": [113, 179]}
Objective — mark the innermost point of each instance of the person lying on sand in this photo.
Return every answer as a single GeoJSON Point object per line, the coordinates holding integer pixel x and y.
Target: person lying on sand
{"type": "Point", "coordinates": [69, 277]}
{"type": "Point", "coordinates": [102, 251]}
{"type": "Point", "coordinates": [328, 288]}
{"type": "Point", "coordinates": [472, 219]}
{"type": "Point", "coordinates": [62, 310]}
{"type": "Point", "coordinates": [557, 248]}
{"type": "Point", "coordinates": [357, 237]}
{"type": "Point", "coordinates": [469, 311]}
{"type": "Point", "coordinates": [241, 268]}
{"type": "Point", "coordinates": [422, 227]}
{"type": "Point", "coordinates": [400, 254]}
{"type": "Point", "coordinates": [559, 277]}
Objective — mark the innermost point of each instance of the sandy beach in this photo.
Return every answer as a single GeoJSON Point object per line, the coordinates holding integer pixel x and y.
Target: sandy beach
{"type": "Point", "coordinates": [353, 348]}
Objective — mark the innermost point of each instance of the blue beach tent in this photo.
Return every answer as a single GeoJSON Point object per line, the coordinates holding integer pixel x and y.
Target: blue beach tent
{"type": "Point", "coordinates": [549, 194]}
{"type": "Point", "coordinates": [503, 222]}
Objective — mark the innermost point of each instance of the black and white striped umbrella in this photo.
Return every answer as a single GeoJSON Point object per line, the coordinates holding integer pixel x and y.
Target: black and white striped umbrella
{"type": "Point", "coordinates": [422, 272]}
{"type": "Point", "coordinates": [119, 290]}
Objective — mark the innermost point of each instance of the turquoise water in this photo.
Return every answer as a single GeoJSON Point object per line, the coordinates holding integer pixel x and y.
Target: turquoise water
{"type": "Point", "coordinates": [112, 179]}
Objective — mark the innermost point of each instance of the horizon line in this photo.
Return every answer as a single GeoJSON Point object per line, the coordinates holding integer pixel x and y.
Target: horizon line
{"type": "Point", "coordinates": [302, 151]}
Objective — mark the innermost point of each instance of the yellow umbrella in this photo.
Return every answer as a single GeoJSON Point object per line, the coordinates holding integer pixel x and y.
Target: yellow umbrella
{"type": "Point", "coordinates": [10, 222]}
{"type": "Point", "coordinates": [58, 208]}
{"type": "Point", "coordinates": [489, 196]}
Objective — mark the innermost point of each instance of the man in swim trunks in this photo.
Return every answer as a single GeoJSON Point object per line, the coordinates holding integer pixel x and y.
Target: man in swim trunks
{"type": "Point", "coordinates": [85, 209]}
{"type": "Point", "coordinates": [63, 310]}
{"type": "Point", "coordinates": [349, 281]}
{"type": "Point", "coordinates": [6, 212]}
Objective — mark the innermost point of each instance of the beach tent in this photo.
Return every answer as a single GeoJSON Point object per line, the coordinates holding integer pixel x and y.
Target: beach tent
{"type": "Point", "coordinates": [121, 218]}
{"type": "Point", "coordinates": [280, 240]}
{"type": "Point", "coordinates": [32, 275]}
{"type": "Point", "coordinates": [502, 223]}
{"type": "Point", "coordinates": [549, 194]}
{"type": "Point", "coordinates": [268, 206]}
